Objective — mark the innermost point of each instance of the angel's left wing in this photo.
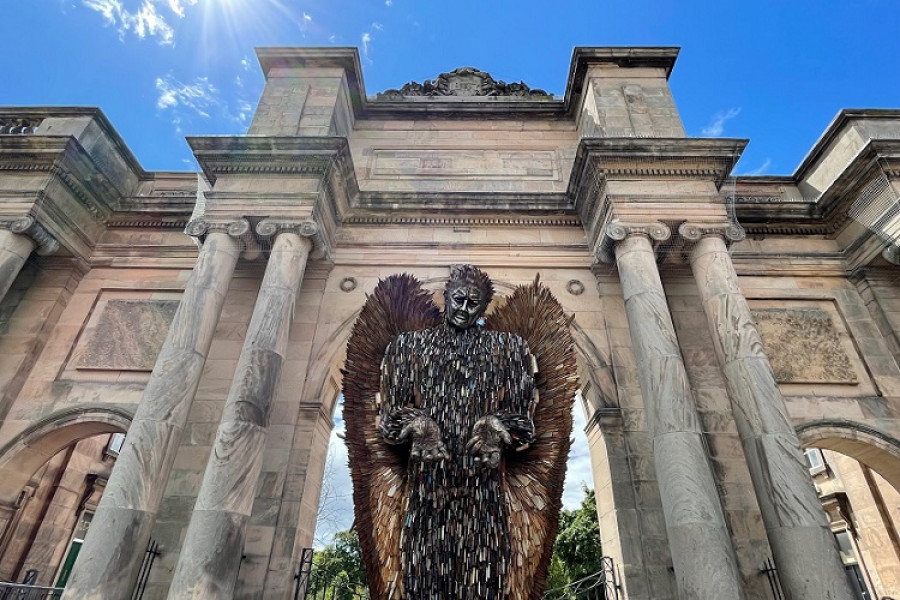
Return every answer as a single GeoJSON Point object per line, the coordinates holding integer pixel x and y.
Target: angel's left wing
{"type": "Point", "coordinates": [399, 303]}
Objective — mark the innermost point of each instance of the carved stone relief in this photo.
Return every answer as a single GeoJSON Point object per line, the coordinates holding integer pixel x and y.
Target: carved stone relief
{"type": "Point", "coordinates": [804, 346]}
{"type": "Point", "coordinates": [128, 335]}
{"type": "Point", "coordinates": [465, 81]}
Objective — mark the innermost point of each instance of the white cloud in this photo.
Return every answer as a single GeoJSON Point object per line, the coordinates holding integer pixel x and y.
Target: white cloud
{"type": "Point", "coordinates": [388, 2]}
{"type": "Point", "coordinates": [762, 169]}
{"type": "Point", "coordinates": [578, 471]}
{"type": "Point", "coordinates": [144, 19]}
{"type": "Point", "coordinates": [366, 40]}
{"type": "Point", "coordinates": [199, 97]}
{"type": "Point", "coordinates": [717, 125]}
{"type": "Point", "coordinates": [378, 26]}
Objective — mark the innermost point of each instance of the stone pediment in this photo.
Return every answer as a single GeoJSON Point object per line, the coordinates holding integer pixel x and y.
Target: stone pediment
{"type": "Point", "coordinates": [464, 82]}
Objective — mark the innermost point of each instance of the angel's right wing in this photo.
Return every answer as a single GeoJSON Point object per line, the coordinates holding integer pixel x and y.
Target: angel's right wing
{"type": "Point", "coordinates": [399, 303]}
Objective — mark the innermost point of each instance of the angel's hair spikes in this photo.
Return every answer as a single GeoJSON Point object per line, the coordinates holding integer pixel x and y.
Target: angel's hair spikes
{"type": "Point", "coordinates": [461, 275]}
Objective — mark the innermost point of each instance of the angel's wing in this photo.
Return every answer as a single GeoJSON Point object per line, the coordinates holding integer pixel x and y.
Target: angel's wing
{"type": "Point", "coordinates": [535, 477]}
{"type": "Point", "coordinates": [399, 303]}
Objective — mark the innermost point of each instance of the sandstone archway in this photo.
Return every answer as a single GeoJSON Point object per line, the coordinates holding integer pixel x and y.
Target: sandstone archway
{"type": "Point", "coordinates": [874, 448]}
{"type": "Point", "coordinates": [26, 452]}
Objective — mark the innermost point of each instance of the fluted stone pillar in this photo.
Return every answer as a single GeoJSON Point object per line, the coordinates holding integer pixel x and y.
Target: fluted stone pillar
{"type": "Point", "coordinates": [702, 553]}
{"type": "Point", "coordinates": [17, 240]}
{"type": "Point", "coordinates": [108, 563]}
{"type": "Point", "coordinates": [803, 547]}
{"type": "Point", "coordinates": [211, 553]}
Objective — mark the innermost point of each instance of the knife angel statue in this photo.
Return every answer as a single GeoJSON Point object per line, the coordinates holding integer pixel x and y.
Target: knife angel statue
{"type": "Point", "coordinates": [458, 430]}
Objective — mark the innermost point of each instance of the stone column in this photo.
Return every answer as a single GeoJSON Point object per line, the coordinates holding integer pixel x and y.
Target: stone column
{"type": "Point", "coordinates": [702, 553]}
{"type": "Point", "coordinates": [802, 544]}
{"type": "Point", "coordinates": [109, 561]}
{"type": "Point", "coordinates": [17, 240]}
{"type": "Point", "coordinates": [211, 553]}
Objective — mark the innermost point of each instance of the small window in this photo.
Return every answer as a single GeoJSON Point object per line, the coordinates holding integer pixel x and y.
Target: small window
{"type": "Point", "coordinates": [815, 460]}
{"type": "Point", "coordinates": [115, 444]}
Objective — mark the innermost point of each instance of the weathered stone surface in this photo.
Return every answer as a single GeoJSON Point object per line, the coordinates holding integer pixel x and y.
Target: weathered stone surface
{"type": "Point", "coordinates": [698, 535]}
{"type": "Point", "coordinates": [803, 346]}
{"type": "Point", "coordinates": [114, 344]}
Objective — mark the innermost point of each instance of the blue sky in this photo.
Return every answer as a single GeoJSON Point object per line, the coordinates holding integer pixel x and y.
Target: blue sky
{"type": "Point", "coordinates": [775, 72]}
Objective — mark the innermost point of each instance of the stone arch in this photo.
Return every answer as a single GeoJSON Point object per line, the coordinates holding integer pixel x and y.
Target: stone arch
{"type": "Point", "coordinates": [24, 454]}
{"type": "Point", "coordinates": [595, 371]}
{"type": "Point", "coordinates": [874, 448]}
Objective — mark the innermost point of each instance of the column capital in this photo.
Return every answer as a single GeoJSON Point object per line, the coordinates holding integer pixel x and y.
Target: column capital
{"type": "Point", "coordinates": [239, 229]}
{"type": "Point", "coordinates": [257, 240]}
{"type": "Point", "coordinates": [308, 228]}
{"type": "Point", "coordinates": [617, 231]}
{"type": "Point", "coordinates": [694, 232]}
{"type": "Point", "coordinates": [28, 226]}
{"type": "Point", "coordinates": [891, 254]}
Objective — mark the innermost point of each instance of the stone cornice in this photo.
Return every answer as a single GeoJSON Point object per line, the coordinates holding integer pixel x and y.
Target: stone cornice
{"type": "Point", "coordinates": [63, 112]}
{"type": "Point", "coordinates": [250, 155]}
{"type": "Point", "coordinates": [845, 118]}
{"type": "Point", "coordinates": [656, 158]}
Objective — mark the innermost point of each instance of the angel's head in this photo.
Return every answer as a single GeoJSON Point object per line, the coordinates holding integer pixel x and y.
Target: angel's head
{"type": "Point", "coordinates": [467, 295]}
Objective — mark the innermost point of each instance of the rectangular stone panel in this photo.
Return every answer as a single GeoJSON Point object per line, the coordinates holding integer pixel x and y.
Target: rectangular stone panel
{"type": "Point", "coordinates": [128, 335]}
{"type": "Point", "coordinates": [804, 346]}
{"type": "Point", "coordinates": [471, 163]}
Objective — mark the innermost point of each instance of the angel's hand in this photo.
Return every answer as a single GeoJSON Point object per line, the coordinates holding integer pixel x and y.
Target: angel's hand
{"type": "Point", "coordinates": [489, 436]}
{"type": "Point", "coordinates": [425, 437]}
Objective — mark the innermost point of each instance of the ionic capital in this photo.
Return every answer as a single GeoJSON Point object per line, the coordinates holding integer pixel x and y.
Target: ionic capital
{"type": "Point", "coordinates": [619, 230]}
{"type": "Point", "coordinates": [28, 226]}
{"type": "Point", "coordinates": [309, 228]}
{"type": "Point", "coordinates": [891, 254]}
{"type": "Point", "coordinates": [694, 232]}
{"type": "Point", "coordinates": [239, 229]}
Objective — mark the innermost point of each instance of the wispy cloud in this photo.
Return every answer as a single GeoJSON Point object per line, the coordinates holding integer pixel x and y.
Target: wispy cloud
{"type": "Point", "coordinates": [366, 41]}
{"type": "Point", "coordinates": [143, 19]}
{"type": "Point", "coordinates": [717, 125]}
{"type": "Point", "coordinates": [305, 22]}
{"type": "Point", "coordinates": [762, 169]}
{"type": "Point", "coordinates": [199, 98]}
{"type": "Point", "coordinates": [388, 2]}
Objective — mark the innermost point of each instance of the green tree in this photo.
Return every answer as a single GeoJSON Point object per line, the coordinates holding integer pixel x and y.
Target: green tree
{"type": "Point", "coordinates": [338, 567]}
{"type": "Point", "coordinates": [577, 551]}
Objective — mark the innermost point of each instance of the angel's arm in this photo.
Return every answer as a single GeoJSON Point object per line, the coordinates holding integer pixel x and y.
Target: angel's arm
{"type": "Point", "coordinates": [512, 425]}
{"type": "Point", "coordinates": [400, 421]}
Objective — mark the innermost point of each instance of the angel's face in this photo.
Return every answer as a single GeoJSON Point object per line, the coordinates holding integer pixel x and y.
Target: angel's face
{"type": "Point", "coordinates": [465, 304]}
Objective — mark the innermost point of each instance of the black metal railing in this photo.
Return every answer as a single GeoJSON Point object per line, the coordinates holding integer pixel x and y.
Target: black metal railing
{"type": "Point", "coordinates": [24, 591]}
{"type": "Point", "coordinates": [602, 585]}
{"type": "Point", "coordinates": [314, 585]}
{"type": "Point", "coordinates": [768, 569]}
{"type": "Point", "coordinates": [153, 550]}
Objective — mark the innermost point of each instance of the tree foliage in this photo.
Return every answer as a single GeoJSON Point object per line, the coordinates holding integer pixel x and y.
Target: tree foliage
{"type": "Point", "coordinates": [339, 568]}
{"type": "Point", "coordinates": [577, 552]}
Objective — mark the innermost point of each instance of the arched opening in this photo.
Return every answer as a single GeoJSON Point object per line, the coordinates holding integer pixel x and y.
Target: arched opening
{"type": "Point", "coordinates": [327, 478]}
{"type": "Point", "coordinates": [855, 468]}
{"type": "Point", "coordinates": [54, 473]}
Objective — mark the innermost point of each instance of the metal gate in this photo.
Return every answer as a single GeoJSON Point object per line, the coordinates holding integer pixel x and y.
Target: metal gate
{"type": "Point", "coordinates": [312, 585]}
{"type": "Point", "coordinates": [602, 585]}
